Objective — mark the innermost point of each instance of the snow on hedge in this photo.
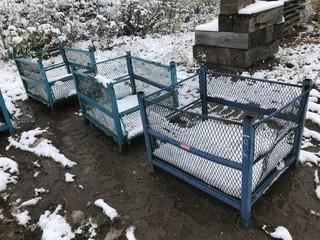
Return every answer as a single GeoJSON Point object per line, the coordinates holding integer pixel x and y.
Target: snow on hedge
{"type": "Point", "coordinates": [8, 168]}
{"type": "Point", "coordinates": [54, 226]}
{"type": "Point", "coordinates": [32, 142]}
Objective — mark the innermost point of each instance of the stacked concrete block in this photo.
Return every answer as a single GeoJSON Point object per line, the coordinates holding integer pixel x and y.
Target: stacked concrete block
{"type": "Point", "coordinates": [233, 6]}
{"type": "Point", "coordinates": [236, 40]}
{"type": "Point", "coordinates": [291, 13]}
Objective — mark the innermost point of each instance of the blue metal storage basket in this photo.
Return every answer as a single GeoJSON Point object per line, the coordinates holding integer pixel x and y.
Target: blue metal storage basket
{"type": "Point", "coordinates": [107, 91]}
{"type": "Point", "coordinates": [227, 135]}
{"type": "Point", "coordinates": [44, 80]}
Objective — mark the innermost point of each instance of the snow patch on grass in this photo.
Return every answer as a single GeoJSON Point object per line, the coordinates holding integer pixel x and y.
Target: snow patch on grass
{"type": "Point", "coordinates": [22, 218]}
{"type": "Point", "coordinates": [279, 233]}
{"type": "Point", "coordinates": [317, 182]}
{"type": "Point", "coordinates": [309, 157]}
{"type": "Point", "coordinates": [311, 134]}
{"type": "Point", "coordinates": [38, 191]}
{"type": "Point", "coordinates": [88, 229]}
{"type": "Point", "coordinates": [314, 117]}
{"type": "Point", "coordinates": [107, 210]}
{"type": "Point", "coordinates": [54, 226]}
{"type": "Point", "coordinates": [31, 202]}
{"type": "Point", "coordinates": [130, 233]}
{"type": "Point", "coordinates": [69, 177]}
{"type": "Point", "coordinates": [30, 141]}
{"type": "Point", "coordinates": [7, 168]}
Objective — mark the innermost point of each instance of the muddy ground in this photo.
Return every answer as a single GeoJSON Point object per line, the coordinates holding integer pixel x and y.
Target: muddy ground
{"type": "Point", "coordinates": [159, 205]}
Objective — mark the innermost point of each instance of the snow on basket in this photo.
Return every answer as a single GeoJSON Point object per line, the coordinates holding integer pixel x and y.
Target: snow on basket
{"type": "Point", "coordinates": [229, 136]}
{"type": "Point", "coordinates": [43, 80]}
{"type": "Point", "coordinates": [108, 93]}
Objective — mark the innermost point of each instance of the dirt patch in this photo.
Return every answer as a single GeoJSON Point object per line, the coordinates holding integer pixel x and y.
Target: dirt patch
{"type": "Point", "coordinates": [159, 205]}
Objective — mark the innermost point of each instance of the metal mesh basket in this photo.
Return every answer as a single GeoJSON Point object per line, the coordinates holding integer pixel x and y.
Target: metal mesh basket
{"type": "Point", "coordinates": [176, 114]}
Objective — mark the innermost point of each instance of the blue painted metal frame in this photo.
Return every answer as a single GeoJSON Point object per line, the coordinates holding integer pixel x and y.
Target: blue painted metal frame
{"type": "Point", "coordinates": [248, 198]}
{"type": "Point", "coordinates": [118, 136]}
{"type": "Point", "coordinates": [74, 64]}
{"type": "Point", "coordinates": [5, 115]}
{"type": "Point", "coordinates": [24, 60]}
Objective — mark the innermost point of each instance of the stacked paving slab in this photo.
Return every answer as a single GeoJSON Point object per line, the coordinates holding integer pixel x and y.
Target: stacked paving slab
{"type": "Point", "coordinates": [246, 32]}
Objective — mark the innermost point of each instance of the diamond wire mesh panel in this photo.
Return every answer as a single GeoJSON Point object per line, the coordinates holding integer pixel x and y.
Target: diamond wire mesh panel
{"type": "Point", "coordinates": [113, 69]}
{"type": "Point", "coordinates": [37, 90]}
{"type": "Point", "coordinates": [57, 73]}
{"type": "Point", "coordinates": [122, 89]}
{"type": "Point", "coordinates": [279, 132]}
{"type": "Point", "coordinates": [78, 58]}
{"type": "Point", "coordinates": [184, 93]}
{"type": "Point", "coordinates": [63, 89]}
{"type": "Point", "coordinates": [106, 121]}
{"type": "Point", "coordinates": [225, 112]}
{"type": "Point", "coordinates": [153, 72]}
{"type": "Point", "coordinates": [267, 95]}
{"type": "Point", "coordinates": [146, 88]}
{"type": "Point", "coordinates": [88, 86]}
{"type": "Point", "coordinates": [132, 125]}
{"type": "Point", "coordinates": [30, 70]}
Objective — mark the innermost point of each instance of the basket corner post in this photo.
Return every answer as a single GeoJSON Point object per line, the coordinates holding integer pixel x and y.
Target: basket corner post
{"type": "Point", "coordinates": [115, 115]}
{"type": "Point", "coordinates": [130, 71]}
{"type": "Point", "coordinates": [64, 57]}
{"type": "Point", "coordinates": [173, 69]}
{"type": "Point", "coordinates": [307, 83]}
{"type": "Point", "coordinates": [145, 129]}
{"type": "Point", "coordinates": [306, 86]}
{"type": "Point", "coordinates": [93, 59]}
{"type": "Point", "coordinates": [203, 89]}
{"type": "Point", "coordinates": [247, 164]}
{"type": "Point", "coordinates": [47, 86]}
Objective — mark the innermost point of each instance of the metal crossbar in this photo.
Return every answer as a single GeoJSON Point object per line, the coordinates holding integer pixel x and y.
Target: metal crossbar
{"type": "Point", "coordinates": [225, 132]}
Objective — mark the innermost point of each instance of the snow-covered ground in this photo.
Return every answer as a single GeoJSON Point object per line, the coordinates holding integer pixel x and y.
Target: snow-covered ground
{"type": "Point", "coordinates": [295, 64]}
